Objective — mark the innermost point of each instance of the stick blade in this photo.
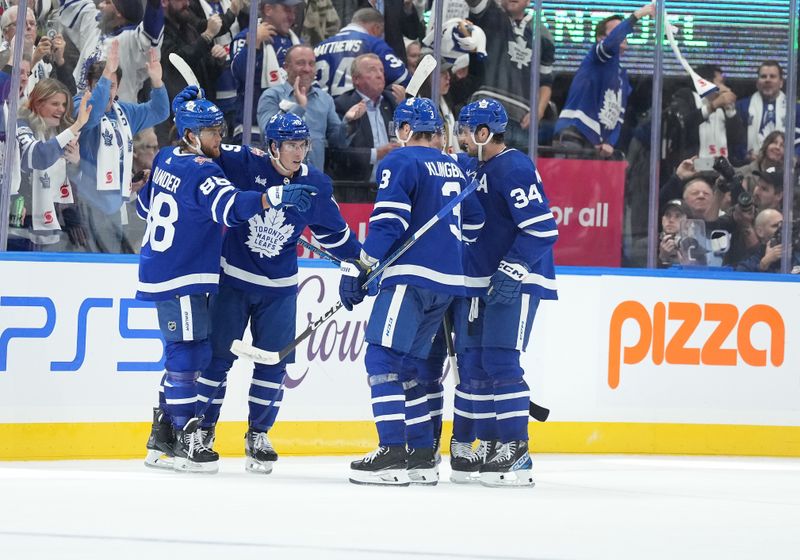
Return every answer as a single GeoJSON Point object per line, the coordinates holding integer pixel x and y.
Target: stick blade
{"type": "Point", "coordinates": [244, 350]}
{"type": "Point", "coordinates": [184, 70]}
{"type": "Point", "coordinates": [424, 69]}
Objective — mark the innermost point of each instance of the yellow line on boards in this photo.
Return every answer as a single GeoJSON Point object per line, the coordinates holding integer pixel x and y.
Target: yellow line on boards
{"type": "Point", "coordinates": [125, 440]}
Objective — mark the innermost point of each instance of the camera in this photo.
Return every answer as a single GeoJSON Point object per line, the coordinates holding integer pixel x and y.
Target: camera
{"type": "Point", "coordinates": [731, 182]}
{"type": "Point", "coordinates": [777, 238]}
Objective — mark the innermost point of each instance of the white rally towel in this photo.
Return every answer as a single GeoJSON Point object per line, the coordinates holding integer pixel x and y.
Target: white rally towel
{"type": "Point", "coordinates": [108, 173]}
{"type": "Point", "coordinates": [756, 134]}
{"type": "Point", "coordinates": [271, 72]}
{"type": "Point", "coordinates": [713, 138]}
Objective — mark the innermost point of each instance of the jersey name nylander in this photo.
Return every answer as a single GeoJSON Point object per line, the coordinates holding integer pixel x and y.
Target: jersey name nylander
{"type": "Point", "coordinates": [335, 56]}
{"type": "Point", "coordinates": [186, 202]}
{"type": "Point", "coordinates": [261, 255]}
{"type": "Point", "coordinates": [519, 225]}
{"type": "Point", "coordinates": [414, 183]}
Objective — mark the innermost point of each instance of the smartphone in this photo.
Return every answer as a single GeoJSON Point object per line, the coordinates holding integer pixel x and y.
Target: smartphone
{"type": "Point", "coordinates": [704, 163]}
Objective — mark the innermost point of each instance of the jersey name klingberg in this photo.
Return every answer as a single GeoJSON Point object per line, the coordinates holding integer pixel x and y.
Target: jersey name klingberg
{"type": "Point", "coordinates": [443, 169]}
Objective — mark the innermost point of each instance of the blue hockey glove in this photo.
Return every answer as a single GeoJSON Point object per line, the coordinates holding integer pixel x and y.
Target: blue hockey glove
{"type": "Point", "coordinates": [354, 274]}
{"type": "Point", "coordinates": [506, 284]}
{"type": "Point", "coordinates": [293, 194]}
{"type": "Point", "coordinates": [189, 93]}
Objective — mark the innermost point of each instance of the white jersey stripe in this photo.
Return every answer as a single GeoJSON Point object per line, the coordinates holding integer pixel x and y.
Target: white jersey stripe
{"type": "Point", "coordinates": [179, 282]}
{"type": "Point", "coordinates": [257, 279]}
{"type": "Point", "coordinates": [390, 418]}
{"type": "Point", "coordinates": [388, 216]}
{"type": "Point", "coordinates": [425, 272]}
{"type": "Point", "coordinates": [220, 192]}
{"type": "Point", "coordinates": [388, 398]}
{"type": "Point", "coordinates": [535, 220]}
{"type": "Point", "coordinates": [390, 204]}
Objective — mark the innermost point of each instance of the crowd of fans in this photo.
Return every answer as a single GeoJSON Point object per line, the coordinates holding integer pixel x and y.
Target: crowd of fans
{"type": "Point", "coordinates": [96, 83]}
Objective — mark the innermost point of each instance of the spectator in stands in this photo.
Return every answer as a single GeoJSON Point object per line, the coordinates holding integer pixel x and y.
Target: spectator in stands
{"type": "Point", "coordinates": [335, 56]}
{"type": "Point", "coordinates": [137, 30]}
{"type": "Point", "coordinates": [671, 221]}
{"type": "Point", "coordinates": [274, 38]}
{"type": "Point", "coordinates": [765, 110]}
{"type": "Point", "coordinates": [228, 12]}
{"type": "Point", "coordinates": [449, 138]}
{"type": "Point", "coordinates": [770, 154]}
{"type": "Point", "coordinates": [106, 149]}
{"type": "Point", "coordinates": [595, 108]}
{"type": "Point", "coordinates": [368, 109]}
{"type": "Point", "coordinates": [47, 137]}
{"type": "Point", "coordinates": [702, 202]}
{"type": "Point", "coordinates": [301, 95]}
{"type": "Point", "coordinates": [47, 57]}
{"type": "Point", "coordinates": [768, 192]}
{"type": "Point", "coordinates": [199, 50]}
{"type": "Point", "coordinates": [509, 43]}
{"type": "Point", "coordinates": [318, 22]}
{"type": "Point", "coordinates": [413, 55]}
{"type": "Point", "coordinates": [705, 127]}
{"type": "Point", "coordinates": [767, 257]}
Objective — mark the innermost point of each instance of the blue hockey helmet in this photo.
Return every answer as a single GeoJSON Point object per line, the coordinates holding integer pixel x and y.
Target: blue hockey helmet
{"type": "Point", "coordinates": [286, 126]}
{"type": "Point", "coordinates": [420, 113]}
{"type": "Point", "coordinates": [464, 114]}
{"type": "Point", "coordinates": [489, 113]}
{"type": "Point", "coordinates": [193, 112]}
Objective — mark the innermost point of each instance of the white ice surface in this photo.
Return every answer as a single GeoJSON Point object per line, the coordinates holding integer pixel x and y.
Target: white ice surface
{"type": "Point", "coordinates": [618, 507]}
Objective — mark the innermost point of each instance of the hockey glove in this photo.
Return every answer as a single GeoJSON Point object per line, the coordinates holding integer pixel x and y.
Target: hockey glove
{"type": "Point", "coordinates": [189, 93]}
{"type": "Point", "coordinates": [298, 195]}
{"type": "Point", "coordinates": [506, 284]}
{"type": "Point", "coordinates": [354, 274]}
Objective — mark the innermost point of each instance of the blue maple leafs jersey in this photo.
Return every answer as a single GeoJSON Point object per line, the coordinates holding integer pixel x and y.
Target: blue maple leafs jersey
{"type": "Point", "coordinates": [186, 201]}
{"type": "Point", "coordinates": [336, 54]}
{"type": "Point", "coordinates": [414, 183]}
{"type": "Point", "coordinates": [519, 225]}
{"type": "Point", "coordinates": [261, 255]}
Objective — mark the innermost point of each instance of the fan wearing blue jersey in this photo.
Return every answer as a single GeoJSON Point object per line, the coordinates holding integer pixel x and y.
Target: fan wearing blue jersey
{"type": "Point", "coordinates": [415, 182]}
{"type": "Point", "coordinates": [186, 202]}
{"type": "Point", "coordinates": [364, 35]}
{"type": "Point", "coordinates": [260, 274]}
{"type": "Point", "coordinates": [508, 270]}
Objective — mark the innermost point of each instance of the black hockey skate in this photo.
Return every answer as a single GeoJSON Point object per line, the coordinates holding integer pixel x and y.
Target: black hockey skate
{"type": "Point", "coordinates": [508, 465]}
{"type": "Point", "coordinates": [209, 436]}
{"type": "Point", "coordinates": [486, 448]}
{"type": "Point", "coordinates": [465, 463]}
{"type": "Point", "coordinates": [191, 455]}
{"type": "Point", "coordinates": [422, 467]}
{"type": "Point", "coordinates": [160, 443]}
{"type": "Point", "coordinates": [384, 466]}
{"type": "Point", "coordinates": [259, 451]}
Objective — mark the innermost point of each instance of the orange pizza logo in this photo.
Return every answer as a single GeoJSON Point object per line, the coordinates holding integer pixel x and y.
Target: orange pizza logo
{"type": "Point", "coordinates": [727, 317]}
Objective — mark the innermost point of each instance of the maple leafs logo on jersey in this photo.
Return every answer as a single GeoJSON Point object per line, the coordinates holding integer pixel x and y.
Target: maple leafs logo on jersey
{"type": "Point", "coordinates": [611, 109]}
{"type": "Point", "coordinates": [269, 233]}
{"type": "Point", "coordinates": [519, 52]}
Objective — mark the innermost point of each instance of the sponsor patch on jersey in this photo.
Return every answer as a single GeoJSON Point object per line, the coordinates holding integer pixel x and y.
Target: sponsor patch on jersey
{"type": "Point", "coordinates": [172, 325]}
{"type": "Point", "coordinates": [201, 159]}
{"type": "Point", "coordinates": [257, 152]}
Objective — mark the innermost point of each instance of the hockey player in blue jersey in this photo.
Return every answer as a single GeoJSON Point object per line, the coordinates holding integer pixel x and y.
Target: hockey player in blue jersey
{"type": "Point", "coordinates": [260, 276]}
{"type": "Point", "coordinates": [336, 54]}
{"type": "Point", "coordinates": [508, 270]}
{"type": "Point", "coordinates": [186, 201]}
{"type": "Point", "coordinates": [415, 182]}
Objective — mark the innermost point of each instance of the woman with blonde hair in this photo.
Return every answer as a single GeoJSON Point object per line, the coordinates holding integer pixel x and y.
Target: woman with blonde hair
{"type": "Point", "coordinates": [47, 138]}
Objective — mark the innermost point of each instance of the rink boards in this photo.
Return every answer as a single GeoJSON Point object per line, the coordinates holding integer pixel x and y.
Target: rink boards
{"type": "Point", "coordinates": [638, 362]}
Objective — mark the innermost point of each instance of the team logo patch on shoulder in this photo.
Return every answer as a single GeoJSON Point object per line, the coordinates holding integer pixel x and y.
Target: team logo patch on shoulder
{"type": "Point", "coordinates": [257, 152]}
{"type": "Point", "coordinates": [201, 159]}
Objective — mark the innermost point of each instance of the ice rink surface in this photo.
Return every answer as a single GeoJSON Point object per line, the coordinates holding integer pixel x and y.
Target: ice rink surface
{"type": "Point", "coordinates": [583, 506]}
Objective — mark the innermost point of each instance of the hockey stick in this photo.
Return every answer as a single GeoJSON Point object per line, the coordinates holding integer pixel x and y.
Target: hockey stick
{"type": "Point", "coordinates": [244, 350]}
{"type": "Point", "coordinates": [184, 70]}
{"type": "Point", "coordinates": [537, 412]}
{"type": "Point", "coordinates": [703, 86]}
{"type": "Point", "coordinates": [424, 69]}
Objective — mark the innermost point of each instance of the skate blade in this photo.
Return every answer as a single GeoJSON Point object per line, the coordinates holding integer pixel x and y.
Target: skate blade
{"type": "Point", "coordinates": [512, 479]}
{"type": "Point", "coordinates": [258, 467]}
{"type": "Point", "coordinates": [184, 465]}
{"type": "Point", "coordinates": [465, 477]}
{"type": "Point", "coordinates": [158, 460]}
{"type": "Point", "coordinates": [389, 477]}
{"type": "Point", "coordinates": [424, 477]}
